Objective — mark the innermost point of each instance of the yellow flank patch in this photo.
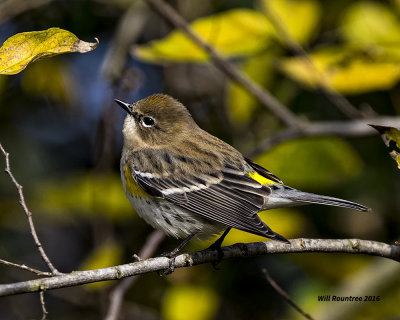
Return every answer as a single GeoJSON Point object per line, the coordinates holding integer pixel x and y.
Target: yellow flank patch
{"type": "Point", "coordinates": [131, 185]}
{"type": "Point", "coordinates": [261, 179]}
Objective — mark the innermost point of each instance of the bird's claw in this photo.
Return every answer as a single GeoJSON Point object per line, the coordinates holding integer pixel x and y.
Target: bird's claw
{"type": "Point", "coordinates": [171, 268]}
{"type": "Point", "coordinates": [216, 246]}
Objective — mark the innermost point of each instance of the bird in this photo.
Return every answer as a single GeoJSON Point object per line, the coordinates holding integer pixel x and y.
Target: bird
{"type": "Point", "coordinates": [188, 183]}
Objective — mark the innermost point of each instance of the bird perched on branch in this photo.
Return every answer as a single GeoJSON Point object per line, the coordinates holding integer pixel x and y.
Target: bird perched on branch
{"type": "Point", "coordinates": [186, 182]}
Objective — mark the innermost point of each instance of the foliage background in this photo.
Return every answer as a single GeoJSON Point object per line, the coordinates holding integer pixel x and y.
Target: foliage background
{"type": "Point", "coordinates": [62, 128]}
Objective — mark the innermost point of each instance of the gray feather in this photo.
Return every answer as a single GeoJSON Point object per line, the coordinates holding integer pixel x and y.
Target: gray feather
{"type": "Point", "coordinates": [284, 195]}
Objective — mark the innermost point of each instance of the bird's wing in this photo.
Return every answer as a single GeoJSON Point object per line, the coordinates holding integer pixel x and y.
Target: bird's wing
{"type": "Point", "coordinates": [264, 173]}
{"type": "Point", "coordinates": [227, 196]}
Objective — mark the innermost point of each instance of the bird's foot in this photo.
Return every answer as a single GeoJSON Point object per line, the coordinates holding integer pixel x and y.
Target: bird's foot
{"type": "Point", "coordinates": [220, 254]}
{"type": "Point", "coordinates": [217, 246]}
{"type": "Point", "coordinates": [171, 256]}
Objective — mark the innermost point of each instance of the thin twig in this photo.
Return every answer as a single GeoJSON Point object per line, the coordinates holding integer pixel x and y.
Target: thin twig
{"type": "Point", "coordinates": [340, 101]}
{"type": "Point", "coordinates": [239, 250]}
{"type": "Point", "coordinates": [117, 294]}
{"type": "Point", "coordinates": [284, 294]}
{"type": "Point", "coordinates": [353, 128]}
{"type": "Point", "coordinates": [43, 305]}
{"type": "Point", "coordinates": [25, 267]}
{"type": "Point", "coordinates": [266, 99]}
{"type": "Point", "coordinates": [130, 27]}
{"type": "Point", "coordinates": [28, 213]}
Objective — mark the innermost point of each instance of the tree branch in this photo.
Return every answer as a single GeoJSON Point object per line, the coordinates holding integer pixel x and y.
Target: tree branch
{"type": "Point", "coordinates": [240, 250]}
{"type": "Point", "coordinates": [353, 128]}
{"type": "Point", "coordinates": [28, 213]}
{"type": "Point", "coordinates": [266, 99]}
{"type": "Point", "coordinates": [284, 294]}
{"type": "Point", "coordinates": [43, 305]}
{"type": "Point", "coordinates": [26, 268]}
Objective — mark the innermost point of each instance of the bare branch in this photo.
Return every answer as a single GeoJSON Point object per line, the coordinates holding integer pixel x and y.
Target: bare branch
{"type": "Point", "coordinates": [43, 305]}
{"type": "Point", "coordinates": [117, 294]}
{"type": "Point", "coordinates": [354, 128]}
{"type": "Point", "coordinates": [284, 294]}
{"type": "Point", "coordinates": [266, 99]}
{"type": "Point", "coordinates": [129, 28]}
{"type": "Point", "coordinates": [28, 214]}
{"type": "Point", "coordinates": [24, 267]}
{"type": "Point", "coordinates": [240, 250]}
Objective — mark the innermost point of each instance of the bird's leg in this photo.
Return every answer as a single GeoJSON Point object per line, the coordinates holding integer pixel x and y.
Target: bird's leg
{"type": "Point", "coordinates": [172, 254]}
{"type": "Point", "coordinates": [217, 246]}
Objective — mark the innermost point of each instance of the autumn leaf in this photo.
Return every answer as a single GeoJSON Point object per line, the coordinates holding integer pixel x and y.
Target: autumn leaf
{"type": "Point", "coordinates": [23, 48]}
{"type": "Point", "coordinates": [236, 32]}
{"type": "Point", "coordinates": [299, 18]}
{"type": "Point", "coordinates": [391, 138]}
{"type": "Point", "coordinates": [346, 69]}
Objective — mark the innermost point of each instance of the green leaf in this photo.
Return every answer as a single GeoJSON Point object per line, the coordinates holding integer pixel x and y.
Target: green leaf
{"type": "Point", "coordinates": [391, 138]}
{"type": "Point", "coordinates": [348, 70]}
{"type": "Point", "coordinates": [236, 32]}
{"type": "Point", "coordinates": [371, 23]}
{"type": "Point", "coordinates": [23, 48]}
{"type": "Point", "coordinates": [312, 162]}
{"type": "Point", "coordinates": [189, 302]}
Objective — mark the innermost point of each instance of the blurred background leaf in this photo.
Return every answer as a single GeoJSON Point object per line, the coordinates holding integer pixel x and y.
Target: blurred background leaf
{"type": "Point", "coordinates": [333, 161]}
{"type": "Point", "coordinates": [300, 18]}
{"type": "Point", "coordinates": [189, 302]}
{"type": "Point", "coordinates": [371, 23]}
{"type": "Point", "coordinates": [83, 194]}
{"type": "Point", "coordinates": [105, 255]}
{"type": "Point", "coordinates": [233, 33]}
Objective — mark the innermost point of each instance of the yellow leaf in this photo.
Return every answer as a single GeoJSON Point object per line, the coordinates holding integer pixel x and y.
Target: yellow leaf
{"type": "Point", "coordinates": [391, 138]}
{"type": "Point", "coordinates": [370, 22]}
{"type": "Point", "coordinates": [312, 162]}
{"type": "Point", "coordinates": [23, 48]}
{"type": "Point", "coordinates": [84, 194]}
{"type": "Point", "coordinates": [347, 70]}
{"type": "Point", "coordinates": [236, 32]}
{"type": "Point", "coordinates": [107, 255]}
{"type": "Point", "coordinates": [363, 76]}
{"type": "Point", "coordinates": [189, 302]}
{"type": "Point", "coordinates": [299, 17]}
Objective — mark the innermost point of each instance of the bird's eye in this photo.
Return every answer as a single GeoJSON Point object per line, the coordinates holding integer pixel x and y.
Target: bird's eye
{"type": "Point", "coordinates": [148, 121]}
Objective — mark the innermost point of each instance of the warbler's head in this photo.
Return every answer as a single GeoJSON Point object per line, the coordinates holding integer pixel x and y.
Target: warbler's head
{"type": "Point", "coordinates": [155, 121]}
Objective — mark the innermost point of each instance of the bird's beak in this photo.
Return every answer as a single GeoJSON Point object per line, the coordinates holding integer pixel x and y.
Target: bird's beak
{"type": "Point", "coordinates": [126, 106]}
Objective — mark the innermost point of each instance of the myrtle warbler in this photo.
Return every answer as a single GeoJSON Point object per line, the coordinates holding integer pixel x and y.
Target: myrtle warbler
{"type": "Point", "coordinates": [186, 182]}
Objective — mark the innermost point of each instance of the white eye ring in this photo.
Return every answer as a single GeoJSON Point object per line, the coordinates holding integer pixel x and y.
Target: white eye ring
{"type": "Point", "coordinates": [147, 122]}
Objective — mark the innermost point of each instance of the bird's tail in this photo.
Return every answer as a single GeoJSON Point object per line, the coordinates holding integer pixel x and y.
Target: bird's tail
{"type": "Point", "coordinates": [285, 196]}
